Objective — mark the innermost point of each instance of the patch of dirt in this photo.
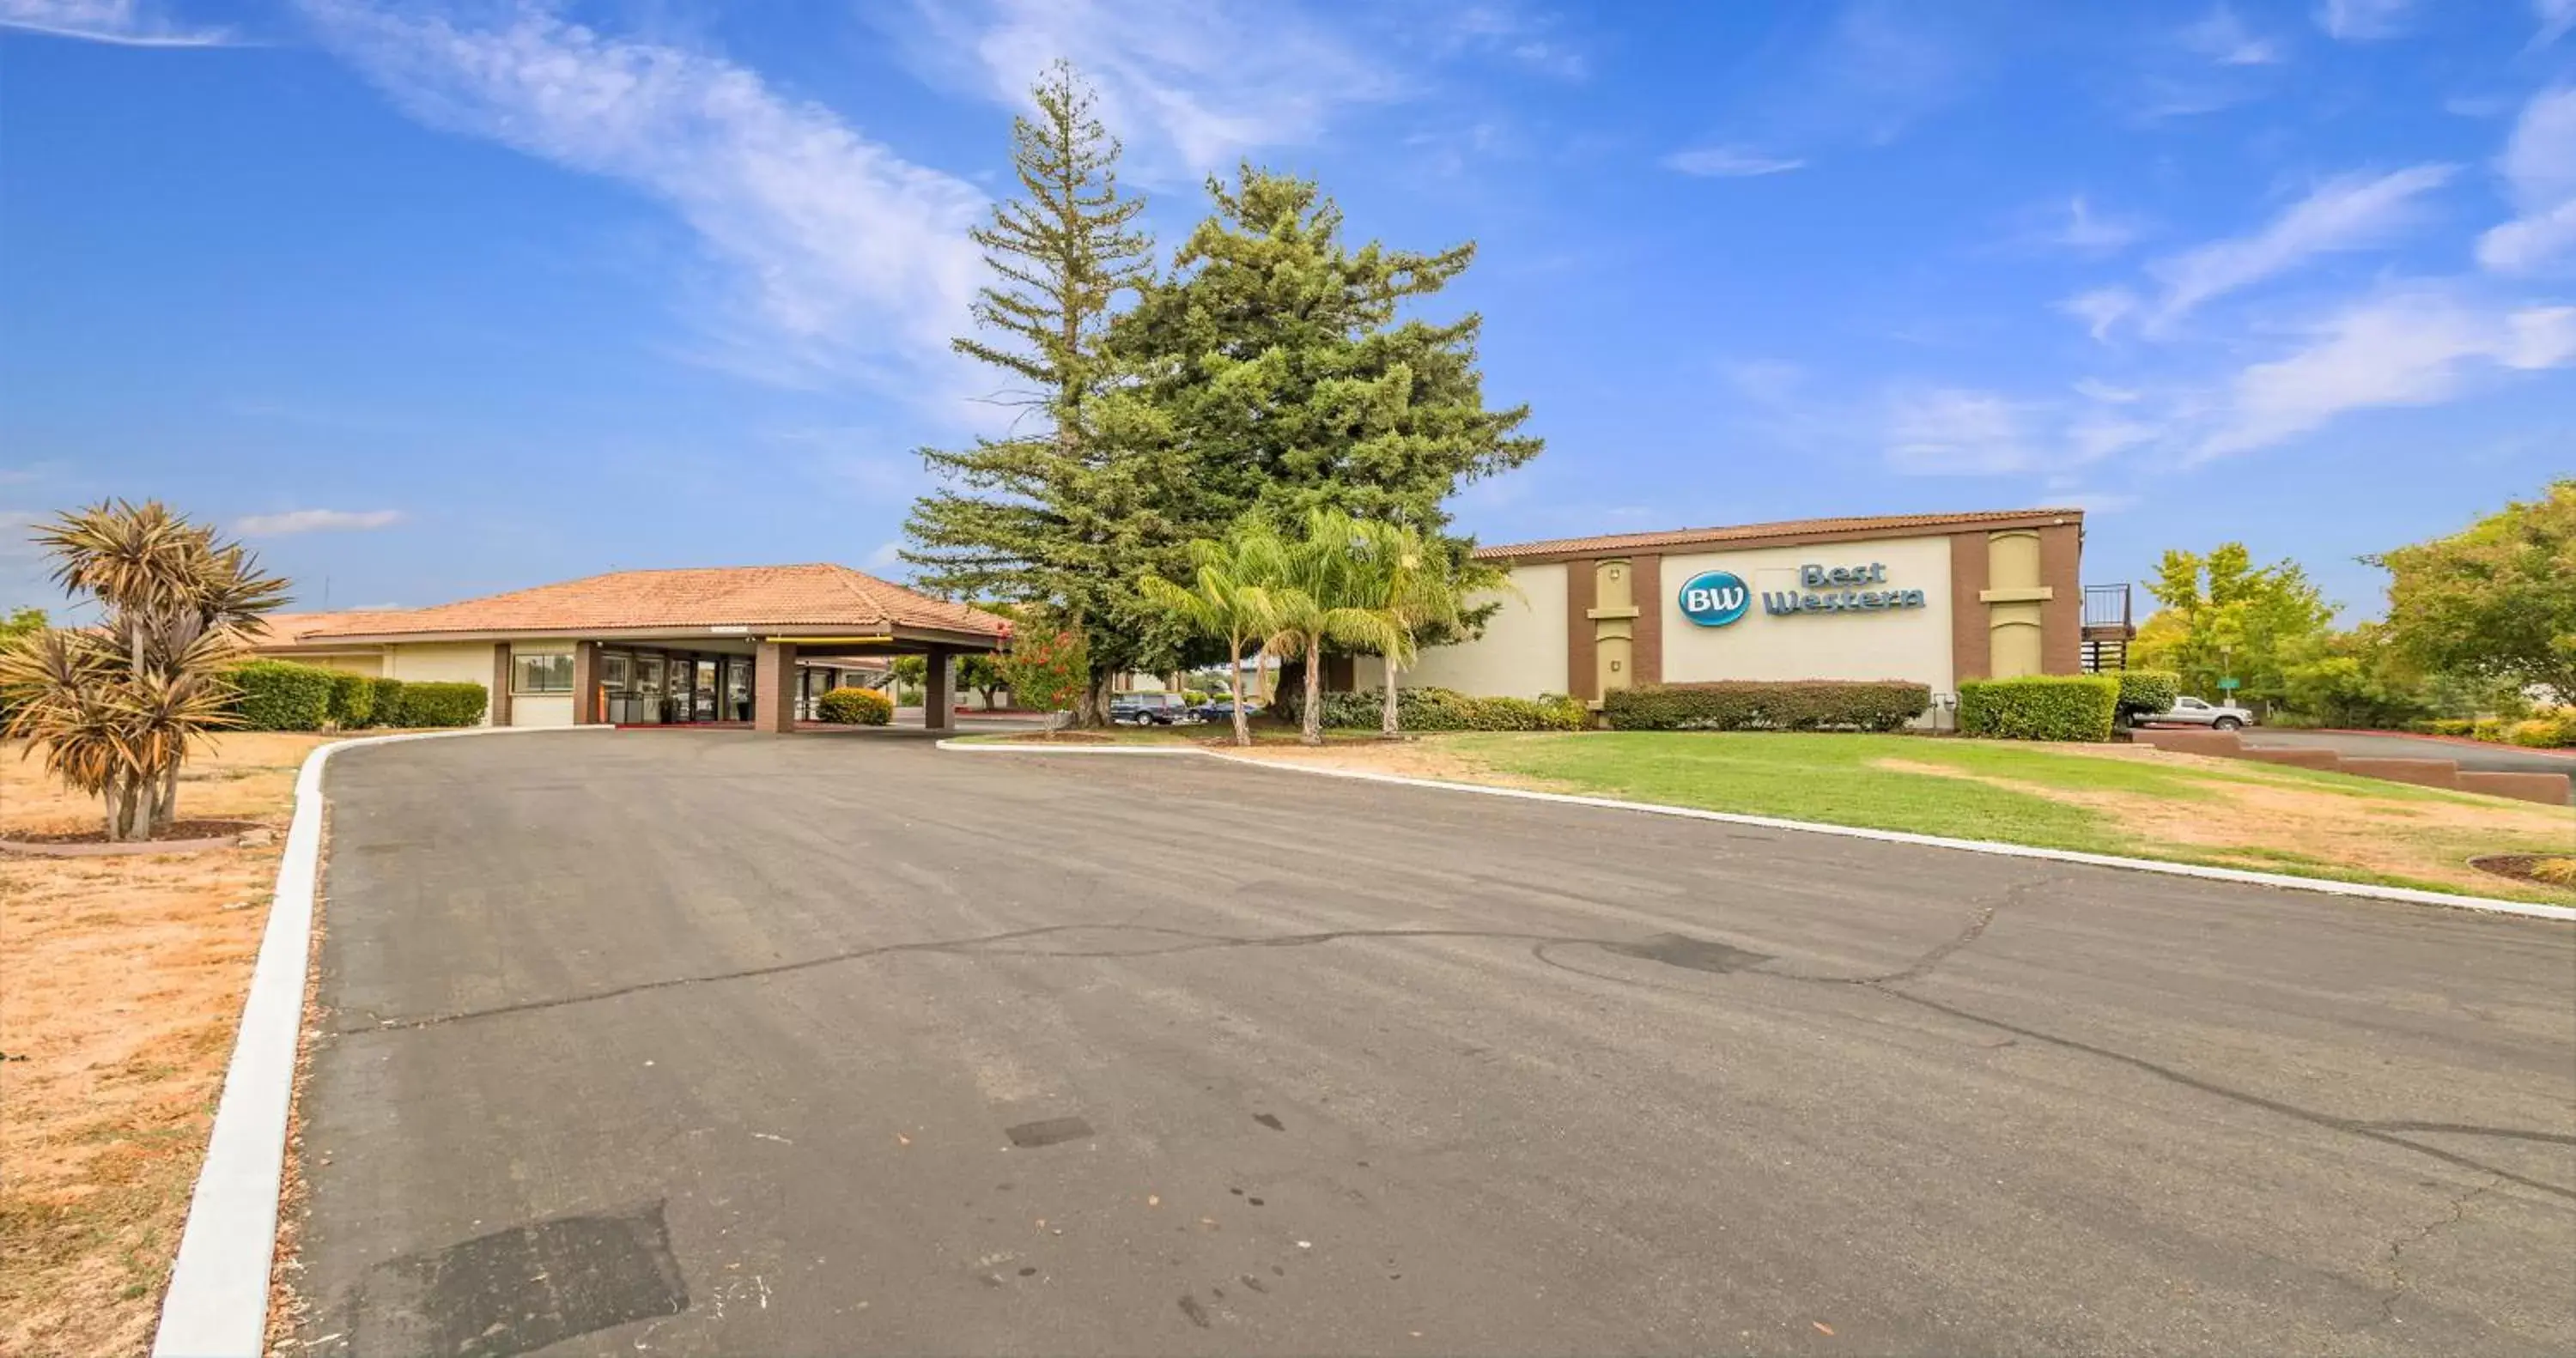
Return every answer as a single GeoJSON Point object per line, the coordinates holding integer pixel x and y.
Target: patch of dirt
{"type": "Point", "coordinates": [1059, 738]}
{"type": "Point", "coordinates": [2261, 823]}
{"type": "Point", "coordinates": [124, 979]}
{"type": "Point", "coordinates": [2558, 870]}
{"type": "Point", "coordinates": [1403, 758]}
{"type": "Point", "coordinates": [176, 830]}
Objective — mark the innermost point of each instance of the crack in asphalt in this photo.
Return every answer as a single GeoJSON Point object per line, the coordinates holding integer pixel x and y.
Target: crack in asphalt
{"type": "Point", "coordinates": [989, 945]}
{"type": "Point", "coordinates": [1664, 947]}
{"type": "Point", "coordinates": [2392, 1260]}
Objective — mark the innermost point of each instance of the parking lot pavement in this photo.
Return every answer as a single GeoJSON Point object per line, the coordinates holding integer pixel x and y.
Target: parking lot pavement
{"type": "Point", "coordinates": [791, 1045]}
{"type": "Point", "coordinates": [2468, 755]}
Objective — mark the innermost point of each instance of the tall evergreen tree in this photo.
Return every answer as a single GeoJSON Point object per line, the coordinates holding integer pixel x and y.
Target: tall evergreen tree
{"type": "Point", "coordinates": [1066, 511]}
{"type": "Point", "coordinates": [1279, 357]}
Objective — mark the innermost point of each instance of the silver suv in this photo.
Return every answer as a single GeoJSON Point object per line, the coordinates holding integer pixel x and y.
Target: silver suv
{"type": "Point", "coordinates": [2194, 712]}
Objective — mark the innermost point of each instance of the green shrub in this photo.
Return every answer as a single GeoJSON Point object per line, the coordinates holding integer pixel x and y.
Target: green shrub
{"type": "Point", "coordinates": [440, 704]}
{"type": "Point", "coordinates": [279, 695]}
{"type": "Point", "coordinates": [854, 707]}
{"type": "Point", "coordinates": [2444, 726]}
{"type": "Point", "coordinates": [1441, 709]}
{"type": "Point", "coordinates": [2040, 707]}
{"type": "Point", "coordinates": [1775, 705]}
{"type": "Point", "coordinates": [2490, 729]}
{"type": "Point", "coordinates": [385, 707]}
{"type": "Point", "coordinates": [353, 699]}
{"type": "Point", "coordinates": [2554, 731]}
{"type": "Point", "coordinates": [2144, 692]}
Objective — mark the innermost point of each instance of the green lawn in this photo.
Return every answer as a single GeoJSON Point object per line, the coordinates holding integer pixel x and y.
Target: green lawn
{"type": "Point", "coordinates": [1835, 778]}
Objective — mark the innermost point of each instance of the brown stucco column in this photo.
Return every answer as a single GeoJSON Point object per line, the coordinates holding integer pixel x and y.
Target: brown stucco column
{"type": "Point", "coordinates": [1646, 590]}
{"type": "Point", "coordinates": [939, 691]}
{"type": "Point", "coordinates": [2061, 619]}
{"type": "Point", "coordinates": [773, 687]}
{"type": "Point", "coordinates": [1582, 650]}
{"type": "Point", "coordinates": [586, 703]}
{"type": "Point", "coordinates": [499, 707]}
{"type": "Point", "coordinates": [1969, 652]}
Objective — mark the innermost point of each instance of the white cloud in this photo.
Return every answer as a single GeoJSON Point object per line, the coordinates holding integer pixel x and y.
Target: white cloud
{"type": "Point", "coordinates": [2101, 309]}
{"type": "Point", "coordinates": [124, 23]}
{"type": "Point", "coordinates": [1527, 38]}
{"type": "Point", "coordinates": [2095, 438]}
{"type": "Point", "coordinates": [2349, 212]}
{"type": "Point", "coordinates": [2087, 230]}
{"type": "Point", "coordinates": [845, 254]}
{"type": "Point", "coordinates": [887, 556]}
{"type": "Point", "coordinates": [1728, 162]}
{"type": "Point", "coordinates": [317, 521]}
{"type": "Point", "coordinates": [2363, 20]}
{"type": "Point", "coordinates": [2556, 17]}
{"type": "Point", "coordinates": [2539, 169]}
{"type": "Point", "coordinates": [2095, 389]}
{"type": "Point", "coordinates": [1188, 84]}
{"type": "Point", "coordinates": [1957, 431]}
{"type": "Point", "coordinates": [2413, 347]}
{"type": "Point", "coordinates": [2223, 38]}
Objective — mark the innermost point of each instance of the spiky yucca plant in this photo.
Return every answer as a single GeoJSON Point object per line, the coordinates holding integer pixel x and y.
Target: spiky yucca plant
{"type": "Point", "coordinates": [116, 707]}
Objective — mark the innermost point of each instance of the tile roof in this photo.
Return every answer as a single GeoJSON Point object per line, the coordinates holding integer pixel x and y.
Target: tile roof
{"type": "Point", "coordinates": [1904, 524]}
{"type": "Point", "coordinates": [820, 596]}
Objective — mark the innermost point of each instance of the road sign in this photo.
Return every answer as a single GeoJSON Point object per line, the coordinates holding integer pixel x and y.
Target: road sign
{"type": "Point", "coordinates": [2229, 684]}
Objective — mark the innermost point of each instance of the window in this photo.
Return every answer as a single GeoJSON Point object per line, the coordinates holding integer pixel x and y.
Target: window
{"type": "Point", "coordinates": [617, 670]}
{"type": "Point", "coordinates": [541, 673]}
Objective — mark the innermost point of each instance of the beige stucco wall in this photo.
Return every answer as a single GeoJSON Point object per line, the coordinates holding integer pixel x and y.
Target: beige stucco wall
{"type": "Point", "coordinates": [1910, 643]}
{"type": "Point", "coordinates": [444, 662]}
{"type": "Point", "coordinates": [1521, 655]}
{"type": "Point", "coordinates": [354, 662]}
{"type": "Point", "coordinates": [541, 709]}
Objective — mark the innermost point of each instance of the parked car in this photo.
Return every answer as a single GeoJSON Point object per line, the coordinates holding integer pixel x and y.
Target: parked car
{"type": "Point", "coordinates": [1222, 710]}
{"type": "Point", "coordinates": [1149, 709]}
{"type": "Point", "coordinates": [2194, 712]}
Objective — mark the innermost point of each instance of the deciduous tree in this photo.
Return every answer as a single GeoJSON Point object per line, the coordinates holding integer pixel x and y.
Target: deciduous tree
{"type": "Point", "coordinates": [2496, 600]}
{"type": "Point", "coordinates": [2223, 616]}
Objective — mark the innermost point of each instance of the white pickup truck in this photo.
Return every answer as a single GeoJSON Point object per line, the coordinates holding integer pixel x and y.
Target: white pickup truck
{"type": "Point", "coordinates": [2194, 712]}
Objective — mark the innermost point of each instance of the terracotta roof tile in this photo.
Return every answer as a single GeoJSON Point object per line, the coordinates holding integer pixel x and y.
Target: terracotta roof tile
{"type": "Point", "coordinates": [1758, 532]}
{"type": "Point", "coordinates": [289, 629]}
{"type": "Point", "coordinates": [820, 596]}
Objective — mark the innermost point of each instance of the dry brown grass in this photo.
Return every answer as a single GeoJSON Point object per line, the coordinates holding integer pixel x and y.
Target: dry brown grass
{"type": "Point", "coordinates": [2258, 825]}
{"type": "Point", "coordinates": [121, 981]}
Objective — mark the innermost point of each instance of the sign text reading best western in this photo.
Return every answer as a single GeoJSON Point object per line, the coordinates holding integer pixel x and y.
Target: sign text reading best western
{"type": "Point", "coordinates": [1840, 589]}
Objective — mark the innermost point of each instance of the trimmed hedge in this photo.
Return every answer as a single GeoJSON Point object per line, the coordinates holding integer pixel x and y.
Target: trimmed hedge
{"type": "Point", "coordinates": [1439, 709]}
{"type": "Point", "coordinates": [353, 699]}
{"type": "Point", "coordinates": [2040, 707]}
{"type": "Point", "coordinates": [387, 707]}
{"type": "Point", "coordinates": [437, 705]}
{"type": "Point", "coordinates": [280, 695]}
{"type": "Point", "coordinates": [854, 707]}
{"type": "Point", "coordinates": [2146, 692]}
{"type": "Point", "coordinates": [1773, 705]}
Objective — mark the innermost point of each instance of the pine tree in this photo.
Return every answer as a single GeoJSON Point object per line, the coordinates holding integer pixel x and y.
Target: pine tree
{"type": "Point", "coordinates": [1067, 511]}
{"type": "Point", "coordinates": [1279, 359]}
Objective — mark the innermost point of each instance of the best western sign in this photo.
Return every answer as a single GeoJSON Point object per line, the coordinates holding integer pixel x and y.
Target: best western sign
{"type": "Point", "coordinates": [1716, 598]}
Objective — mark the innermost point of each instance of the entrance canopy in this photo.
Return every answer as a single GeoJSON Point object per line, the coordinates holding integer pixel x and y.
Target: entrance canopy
{"type": "Point", "coordinates": [607, 648]}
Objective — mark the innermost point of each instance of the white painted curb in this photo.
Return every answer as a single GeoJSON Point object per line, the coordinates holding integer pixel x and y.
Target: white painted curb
{"type": "Point", "coordinates": [217, 1306]}
{"type": "Point", "coordinates": [2321, 885]}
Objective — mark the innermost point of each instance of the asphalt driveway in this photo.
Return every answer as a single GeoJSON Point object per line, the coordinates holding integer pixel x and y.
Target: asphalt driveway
{"type": "Point", "coordinates": [2467, 754]}
{"type": "Point", "coordinates": [721, 1043]}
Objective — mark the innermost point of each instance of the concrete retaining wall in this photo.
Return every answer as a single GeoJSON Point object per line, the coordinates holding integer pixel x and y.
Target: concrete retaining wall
{"type": "Point", "coordinates": [2548, 789]}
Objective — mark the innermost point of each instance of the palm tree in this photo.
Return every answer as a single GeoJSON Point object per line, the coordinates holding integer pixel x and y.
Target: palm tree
{"type": "Point", "coordinates": [1320, 594]}
{"type": "Point", "coordinates": [1227, 598]}
{"type": "Point", "coordinates": [1412, 583]}
{"type": "Point", "coordinates": [117, 706]}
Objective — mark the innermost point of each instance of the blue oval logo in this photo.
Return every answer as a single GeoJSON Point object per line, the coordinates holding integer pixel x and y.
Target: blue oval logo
{"type": "Point", "coordinates": [1714, 598]}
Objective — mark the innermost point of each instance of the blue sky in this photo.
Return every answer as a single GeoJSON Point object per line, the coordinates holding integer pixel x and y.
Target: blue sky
{"type": "Point", "coordinates": [431, 299]}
